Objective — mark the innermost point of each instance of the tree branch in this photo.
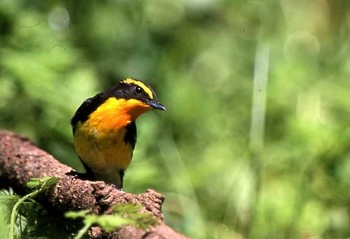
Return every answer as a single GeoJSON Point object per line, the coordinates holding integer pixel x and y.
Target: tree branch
{"type": "Point", "coordinates": [21, 160]}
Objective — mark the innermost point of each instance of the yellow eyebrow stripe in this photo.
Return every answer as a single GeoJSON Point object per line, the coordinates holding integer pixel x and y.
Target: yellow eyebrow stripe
{"type": "Point", "coordinates": [140, 84]}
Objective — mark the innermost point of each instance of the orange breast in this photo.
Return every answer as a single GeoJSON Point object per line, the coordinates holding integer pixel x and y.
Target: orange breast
{"type": "Point", "coordinates": [116, 113]}
{"type": "Point", "coordinates": [102, 150]}
{"type": "Point", "coordinates": [99, 141]}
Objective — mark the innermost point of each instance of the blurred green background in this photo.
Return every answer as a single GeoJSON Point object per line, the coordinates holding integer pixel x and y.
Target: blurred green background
{"type": "Point", "coordinates": [256, 139]}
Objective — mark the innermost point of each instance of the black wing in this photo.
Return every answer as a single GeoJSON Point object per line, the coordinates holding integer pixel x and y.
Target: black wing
{"type": "Point", "coordinates": [86, 108]}
{"type": "Point", "coordinates": [131, 134]}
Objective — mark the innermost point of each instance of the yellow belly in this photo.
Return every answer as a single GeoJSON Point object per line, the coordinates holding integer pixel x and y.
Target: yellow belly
{"type": "Point", "coordinates": [102, 151]}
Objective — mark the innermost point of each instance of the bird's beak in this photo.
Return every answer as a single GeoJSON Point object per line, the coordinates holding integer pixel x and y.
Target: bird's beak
{"type": "Point", "coordinates": [156, 105]}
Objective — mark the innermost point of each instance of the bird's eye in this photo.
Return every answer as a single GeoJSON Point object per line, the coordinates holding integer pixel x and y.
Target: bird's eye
{"type": "Point", "coordinates": [138, 90]}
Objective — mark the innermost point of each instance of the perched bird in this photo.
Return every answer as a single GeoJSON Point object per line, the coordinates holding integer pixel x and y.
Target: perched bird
{"type": "Point", "coordinates": [104, 128]}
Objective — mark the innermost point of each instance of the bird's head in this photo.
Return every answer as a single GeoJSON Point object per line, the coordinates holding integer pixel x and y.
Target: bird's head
{"type": "Point", "coordinates": [138, 93]}
{"type": "Point", "coordinates": [137, 97]}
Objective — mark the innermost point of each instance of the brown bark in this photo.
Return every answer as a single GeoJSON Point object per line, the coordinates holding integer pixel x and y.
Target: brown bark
{"type": "Point", "coordinates": [21, 160]}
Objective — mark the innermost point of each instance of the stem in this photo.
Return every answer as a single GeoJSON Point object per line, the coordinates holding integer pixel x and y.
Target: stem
{"type": "Point", "coordinates": [14, 212]}
{"type": "Point", "coordinates": [83, 231]}
{"type": "Point", "coordinates": [257, 129]}
{"type": "Point", "coordinates": [18, 203]}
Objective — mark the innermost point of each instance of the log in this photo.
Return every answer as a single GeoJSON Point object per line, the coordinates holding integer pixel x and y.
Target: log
{"type": "Point", "coordinates": [21, 160]}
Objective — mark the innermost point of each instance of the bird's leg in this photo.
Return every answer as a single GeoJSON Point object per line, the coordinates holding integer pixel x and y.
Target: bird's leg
{"type": "Point", "coordinates": [121, 175]}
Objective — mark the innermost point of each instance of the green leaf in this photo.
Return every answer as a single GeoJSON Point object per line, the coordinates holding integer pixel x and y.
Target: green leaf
{"type": "Point", "coordinates": [11, 206]}
{"type": "Point", "coordinates": [6, 204]}
{"type": "Point", "coordinates": [77, 214]}
{"type": "Point", "coordinates": [109, 223]}
{"type": "Point", "coordinates": [141, 220]}
{"type": "Point", "coordinates": [6, 192]}
{"type": "Point", "coordinates": [127, 214]}
{"type": "Point", "coordinates": [47, 181]}
{"type": "Point", "coordinates": [126, 208]}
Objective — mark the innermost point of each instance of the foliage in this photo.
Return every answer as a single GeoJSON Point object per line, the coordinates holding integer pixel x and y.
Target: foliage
{"type": "Point", "coordinates": [24, 217]}
{"type": "Point", "coordinates": [234, 158]}
{"type": "Point", "coordinates": [121, 215]}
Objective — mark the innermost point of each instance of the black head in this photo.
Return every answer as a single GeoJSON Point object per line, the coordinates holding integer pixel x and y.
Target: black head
{"type": "Point", "coordinates": [126, 89]}
{"type": "Point", "coordinates": [135, 89]}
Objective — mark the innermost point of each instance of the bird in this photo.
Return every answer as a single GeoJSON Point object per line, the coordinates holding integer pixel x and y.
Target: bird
{"type": "Point", "coordinates": [104, 129]}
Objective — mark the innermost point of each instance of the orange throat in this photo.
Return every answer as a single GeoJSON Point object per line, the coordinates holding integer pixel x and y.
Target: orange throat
{"type": "Point", "coordinates": [116, 113]}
